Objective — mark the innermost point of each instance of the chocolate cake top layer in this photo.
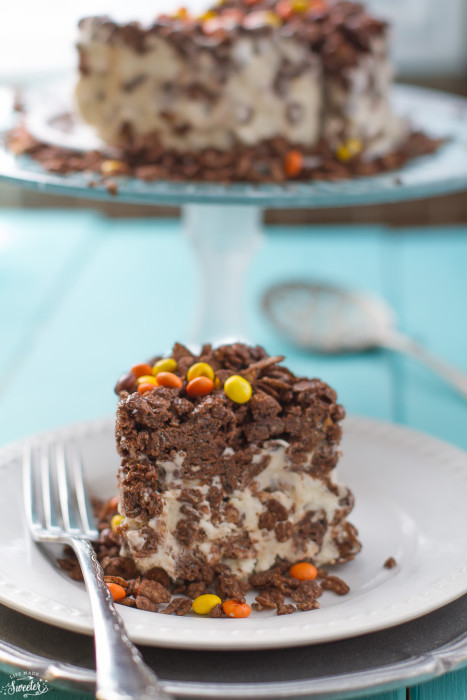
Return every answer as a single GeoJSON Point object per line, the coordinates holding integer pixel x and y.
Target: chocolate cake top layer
{"type": "Point", "coordinates": [219, 437]}
{"type": "Point", "coordinates": [339, 30]}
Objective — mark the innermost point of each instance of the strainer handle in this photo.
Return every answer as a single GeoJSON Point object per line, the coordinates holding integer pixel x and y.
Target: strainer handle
{"type": "Point", "coordinates": [456, 379]}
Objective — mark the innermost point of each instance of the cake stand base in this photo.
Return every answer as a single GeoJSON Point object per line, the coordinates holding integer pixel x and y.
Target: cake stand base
{"type": "Point", "coordinates": [224, 238]}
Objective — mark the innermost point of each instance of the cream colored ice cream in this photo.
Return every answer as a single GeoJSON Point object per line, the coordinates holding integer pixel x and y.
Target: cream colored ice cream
{"type": "Point", "coordinates": [295, 497]}
{"type": "Point", "coordinates": [197, 103]}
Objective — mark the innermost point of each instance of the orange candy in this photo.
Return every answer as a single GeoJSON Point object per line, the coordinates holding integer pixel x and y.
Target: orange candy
{"type": "Point", "coordinates": [113, 503]}
{"type": "Point", "coordinates": [141, 370]}
{"type": "Point", "coordinates": [182, 13]}
{"type": "Point", "coordinates": [169, 379]}
{"type": "Point", "coordinates": [293, 164]}
{"type": "Point", "coordinates": [200, 386]}
{"type": "Point", "coordinates": [118, 592]}
{"type": "Point", "coordinates": [145, 387]}
{"type": "Point", "coordinates": [284, 9]}
{"type": "Point", "coordinates": [318, 6]}
{"type": "Point", "coordinates": [303, 571]}
{"type": "Point", "coordinates": [233, 608]}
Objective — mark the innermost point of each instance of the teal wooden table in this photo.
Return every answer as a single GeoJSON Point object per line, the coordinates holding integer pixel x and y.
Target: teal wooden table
{"type": "Point", "coordinates": [83, 297]}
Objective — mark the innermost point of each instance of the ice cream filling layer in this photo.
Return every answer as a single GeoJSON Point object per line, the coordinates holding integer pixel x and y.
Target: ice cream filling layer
{"type": "Point", "coordinates": [284, 512]}
{"type": "Point", "coordinates": [201, 103]}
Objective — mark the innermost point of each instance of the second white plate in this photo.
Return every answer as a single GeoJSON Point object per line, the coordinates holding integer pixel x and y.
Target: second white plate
{"type": "Point", "coordinates": [410, 495]}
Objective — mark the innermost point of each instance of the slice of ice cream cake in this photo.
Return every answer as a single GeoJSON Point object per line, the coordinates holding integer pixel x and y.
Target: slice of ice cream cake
{"type": "Point", "coordinates": [229, 458]}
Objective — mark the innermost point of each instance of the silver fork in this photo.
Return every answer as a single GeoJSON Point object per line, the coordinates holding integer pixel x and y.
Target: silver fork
{"type": "Point", "coordinates": [58, 511]}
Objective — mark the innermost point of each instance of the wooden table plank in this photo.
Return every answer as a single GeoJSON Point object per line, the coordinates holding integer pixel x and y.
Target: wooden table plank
{"type": "Point", "coordinates": [108, 320]}
{"type": "Point", "coordinates": [452, 686]}
{"type": "Point", "coordinates": [41, 252]}
{"type": "Point", "coordinates": [393, 695]}
{"type": "Point", "coordinates": [434, 285]}
{"type": "Point", "coordinates": [432, 294]}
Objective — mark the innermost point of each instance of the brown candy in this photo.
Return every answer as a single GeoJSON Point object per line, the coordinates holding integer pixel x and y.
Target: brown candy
{"type": "Point", "coordinates": [127, 382]}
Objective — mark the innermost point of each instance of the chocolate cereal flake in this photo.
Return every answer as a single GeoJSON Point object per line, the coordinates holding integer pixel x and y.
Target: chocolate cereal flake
{"type": "Point", "coordinates": [153, 590]}
{"type": "Point", "coordinates": [336, 584]}
{"type": "Point", "coordinates": [143, 603]}
{"type": "Point", "coordinates": [178, 606]}
{"type": "Point", "coordinates": [286, 609]}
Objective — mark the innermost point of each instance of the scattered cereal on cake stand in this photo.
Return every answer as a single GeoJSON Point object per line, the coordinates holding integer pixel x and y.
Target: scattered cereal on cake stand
{"type": "Point", "coordinates": [223, 221]}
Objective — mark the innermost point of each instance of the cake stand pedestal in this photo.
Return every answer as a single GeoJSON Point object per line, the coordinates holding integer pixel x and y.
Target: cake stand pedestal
{"type": "Point", "coordinates": [223, 222]}
{"type": "Point", "coordinates": [223, 262]}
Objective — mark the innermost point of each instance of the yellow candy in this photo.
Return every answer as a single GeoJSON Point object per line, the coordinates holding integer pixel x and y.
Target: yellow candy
{"type": "Point", "coordinates": [146, 379]}
{"type": "Point", "coordinates": [238, 389]}
{"type": "Point", "coordinates": [200, 369]}
{"type": "Point", "coordinates": [348, 149]}
{"type": "Point", "coordinates": [115, 522]}
{"type": "Point", "coordinates": [203, 604]}
{"type": "Point", "coordinates": [300, 5]}
{"type": "Point", "coordinates": [272, 19]}
{"type": "Point", "coordinates": [114, 167]}
{"type": "Point", "coordinates": [207, 15]}
{"type": "Point", "coordinates": [167, 364]}
{"type": "Point", "coordinates": [181, 13]}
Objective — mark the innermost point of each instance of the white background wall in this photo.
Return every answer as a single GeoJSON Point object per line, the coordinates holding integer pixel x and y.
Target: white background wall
{"type": "Point", "coordinates": [430, 36]}
{"type": "Point", "coordinates": [36, 36]}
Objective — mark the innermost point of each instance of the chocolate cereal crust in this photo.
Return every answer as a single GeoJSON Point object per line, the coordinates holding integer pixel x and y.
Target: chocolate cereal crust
{"type": "Point", "coordinates": [220, 438]}
{"type": "Point", "coordinates": [146, 159]}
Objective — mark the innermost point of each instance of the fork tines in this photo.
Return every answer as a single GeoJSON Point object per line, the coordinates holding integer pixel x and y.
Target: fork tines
{"type": "Point", "coordinates": [55, 499]}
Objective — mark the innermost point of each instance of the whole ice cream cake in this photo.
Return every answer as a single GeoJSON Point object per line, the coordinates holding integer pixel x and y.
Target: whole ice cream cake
{"type": "Point", "coordinates": [250, 77]}
{"type": "Point", "coordinates": [242, 91]}
{"type": "Point", "coordinates": [229, 458]}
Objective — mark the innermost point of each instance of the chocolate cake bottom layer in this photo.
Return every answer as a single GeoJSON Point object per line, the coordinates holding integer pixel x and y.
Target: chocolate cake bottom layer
{"type": "Point", "coordinates": [268, 161]}
{"type": "Point", "coordinates": [283, 514]}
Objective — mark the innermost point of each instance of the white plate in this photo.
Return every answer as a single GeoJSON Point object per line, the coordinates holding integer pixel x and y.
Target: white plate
{"type": "Point", "coordinates": [410, 494]}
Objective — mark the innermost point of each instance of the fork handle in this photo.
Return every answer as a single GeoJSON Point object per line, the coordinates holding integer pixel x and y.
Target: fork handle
{"type": "Point", "coordinates": [121, 673]}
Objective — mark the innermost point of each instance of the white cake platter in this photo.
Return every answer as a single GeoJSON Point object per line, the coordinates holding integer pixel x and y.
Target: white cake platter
{"type": "Point", "coordinates": [223, 222]}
